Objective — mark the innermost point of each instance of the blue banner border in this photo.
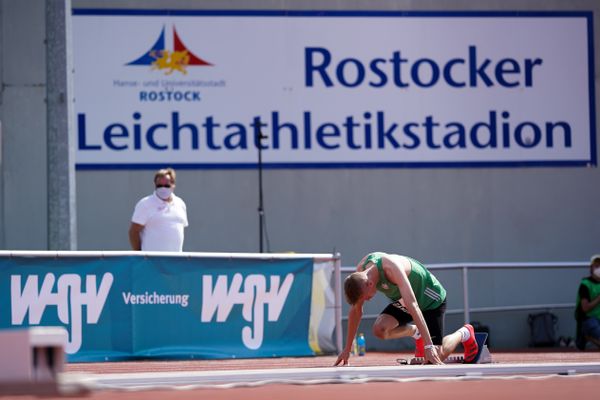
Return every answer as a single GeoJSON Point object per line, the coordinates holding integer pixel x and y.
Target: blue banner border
{"type": "Point", "coordinates": [588, 15]}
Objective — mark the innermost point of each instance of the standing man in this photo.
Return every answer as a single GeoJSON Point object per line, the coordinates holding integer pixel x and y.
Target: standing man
{"type": "Point", "coordinates": [587, 310]}
{"type": "Point", "coordinates": [159, 219]}
{"type": "Point", "coordinates": [417, 296]}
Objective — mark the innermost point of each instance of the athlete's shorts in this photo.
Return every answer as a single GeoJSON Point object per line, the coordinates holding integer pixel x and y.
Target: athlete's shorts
{"type": "Point", "coordinates": [433, 318]}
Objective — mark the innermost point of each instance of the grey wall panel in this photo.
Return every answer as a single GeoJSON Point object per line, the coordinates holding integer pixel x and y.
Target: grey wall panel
{"type": "Point", "coordinates": [23, 33]}
{"type": "Point", "coordinates": [437, 216]}
{"type": "Point", "coordinates": [23, 115]}
{"type": "Point", "coordinates": [24, 168]}
{"type": "Point", "coordinates": [341, 4]}
{"type": "Point", "coordinates": [221, 208]}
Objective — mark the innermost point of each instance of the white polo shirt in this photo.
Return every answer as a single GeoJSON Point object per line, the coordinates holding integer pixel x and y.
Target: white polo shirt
{"type": "Point", "coordinates": [163, 222]}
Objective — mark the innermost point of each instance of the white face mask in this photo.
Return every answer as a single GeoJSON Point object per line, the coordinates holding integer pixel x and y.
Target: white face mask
{"type": "Point", "coordinates": [164, 193]}
{"type": "Point", "coordinates": [596, 273]}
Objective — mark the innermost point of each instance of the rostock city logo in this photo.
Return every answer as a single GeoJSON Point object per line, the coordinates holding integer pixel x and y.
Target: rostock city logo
{"type": "Point", "coordinates": [178, 58]}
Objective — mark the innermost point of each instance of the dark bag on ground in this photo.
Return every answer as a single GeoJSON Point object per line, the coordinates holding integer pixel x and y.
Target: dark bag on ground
{"type": "Point", "coordinates": [542, 327]}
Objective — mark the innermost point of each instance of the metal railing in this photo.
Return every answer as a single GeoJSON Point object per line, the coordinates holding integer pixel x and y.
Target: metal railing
{"type": "Point", "coordinates": [465, 267]}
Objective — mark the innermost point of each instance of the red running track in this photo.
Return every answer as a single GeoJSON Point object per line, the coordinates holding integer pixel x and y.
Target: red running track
{"type": "Point", "coordinates": [555, 387]}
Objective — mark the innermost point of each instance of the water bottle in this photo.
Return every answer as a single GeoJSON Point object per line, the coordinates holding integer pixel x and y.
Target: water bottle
{"type": "Point", "coordinates": [362, 345]}
{"type": "Point", "coordinates": [354, 347]}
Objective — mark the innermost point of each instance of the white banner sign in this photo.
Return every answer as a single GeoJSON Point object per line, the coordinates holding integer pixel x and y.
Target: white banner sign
{"type": "Point", "coordinates": [205, 89]}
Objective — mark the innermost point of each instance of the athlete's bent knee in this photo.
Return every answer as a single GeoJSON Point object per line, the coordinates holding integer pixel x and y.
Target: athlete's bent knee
{"type": "Point", "coordinates": [380, 332]}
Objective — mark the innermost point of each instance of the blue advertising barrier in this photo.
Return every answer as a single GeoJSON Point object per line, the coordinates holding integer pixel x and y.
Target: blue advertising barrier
{"type": "Point", "coordinates": [162, 306]}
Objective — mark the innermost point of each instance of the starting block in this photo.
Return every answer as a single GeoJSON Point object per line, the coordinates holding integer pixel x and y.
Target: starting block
{"type": "Point", "coordinates": [31, 359]}
{"type": "Point", "coordinates": [483, 354]}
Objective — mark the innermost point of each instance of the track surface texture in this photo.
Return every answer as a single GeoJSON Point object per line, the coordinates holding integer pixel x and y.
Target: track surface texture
{"type": "Point", "coordinates": [504, 387]}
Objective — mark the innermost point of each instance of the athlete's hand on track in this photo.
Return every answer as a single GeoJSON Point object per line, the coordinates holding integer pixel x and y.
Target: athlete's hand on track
{"type": "Point", "coordinates": [342, 358]}
{"type": "Point", "coordinates": [432, 356]}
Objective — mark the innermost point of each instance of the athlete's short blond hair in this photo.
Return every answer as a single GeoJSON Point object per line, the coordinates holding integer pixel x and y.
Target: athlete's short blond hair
{"type": "Point", "coordinates": [354, 285]}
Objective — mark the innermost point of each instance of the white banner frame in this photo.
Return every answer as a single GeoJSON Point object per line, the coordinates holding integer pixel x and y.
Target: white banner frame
{"type": "Point", "coordinates": [465, 113]}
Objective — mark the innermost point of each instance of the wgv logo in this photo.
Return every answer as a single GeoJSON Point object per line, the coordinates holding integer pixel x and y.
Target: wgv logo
{"type": "Point", "coordinates": [254, 295]}
{"type": "Point", "coordinates": [169, 60]}
{"type": "Point", "coordinates": [68, 299]}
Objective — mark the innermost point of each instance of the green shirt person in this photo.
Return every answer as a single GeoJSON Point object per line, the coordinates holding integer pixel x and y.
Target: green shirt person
{"type": "Point", "coordinates": [418, 304]}
{"type": "Point", "coordinates": [587, 310]}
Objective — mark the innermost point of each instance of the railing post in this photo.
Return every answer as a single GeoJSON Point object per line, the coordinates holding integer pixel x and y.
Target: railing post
{"type": "Point", "coordinates": [466, 294]}
{"type": "Point", "coordinates": [338, 301]}
{"type": "Point", "coordinates": [465, 282]}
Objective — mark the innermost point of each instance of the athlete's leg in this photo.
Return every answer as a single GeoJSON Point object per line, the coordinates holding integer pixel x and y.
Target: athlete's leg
{"type": "Point", "coordinates": [449, 344]}
{"type": "Point", "coordinates": [393, 323]}
{"type": "Point", "coordinates": [435, 323]}
{"type": "Point", "coordinates": [464, 335]}
{"type": "Point", "coordinates": [387, 327]}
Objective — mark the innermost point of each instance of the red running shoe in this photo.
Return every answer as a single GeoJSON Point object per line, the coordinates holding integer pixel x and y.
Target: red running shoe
{"type": "Point", "coordinates": [419, 347]}
{"type": "Point", "coordinates": [470, 345]}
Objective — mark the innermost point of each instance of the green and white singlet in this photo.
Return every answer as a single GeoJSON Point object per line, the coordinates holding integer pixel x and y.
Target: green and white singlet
{"type": "Point", "coordinates": [429, 292]}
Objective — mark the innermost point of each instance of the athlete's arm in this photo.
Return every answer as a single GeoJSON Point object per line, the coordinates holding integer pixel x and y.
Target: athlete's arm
{"type": "Point", "coordinates": [395, 269]}
{"type": "Point", "coordinates": [354, 317]}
